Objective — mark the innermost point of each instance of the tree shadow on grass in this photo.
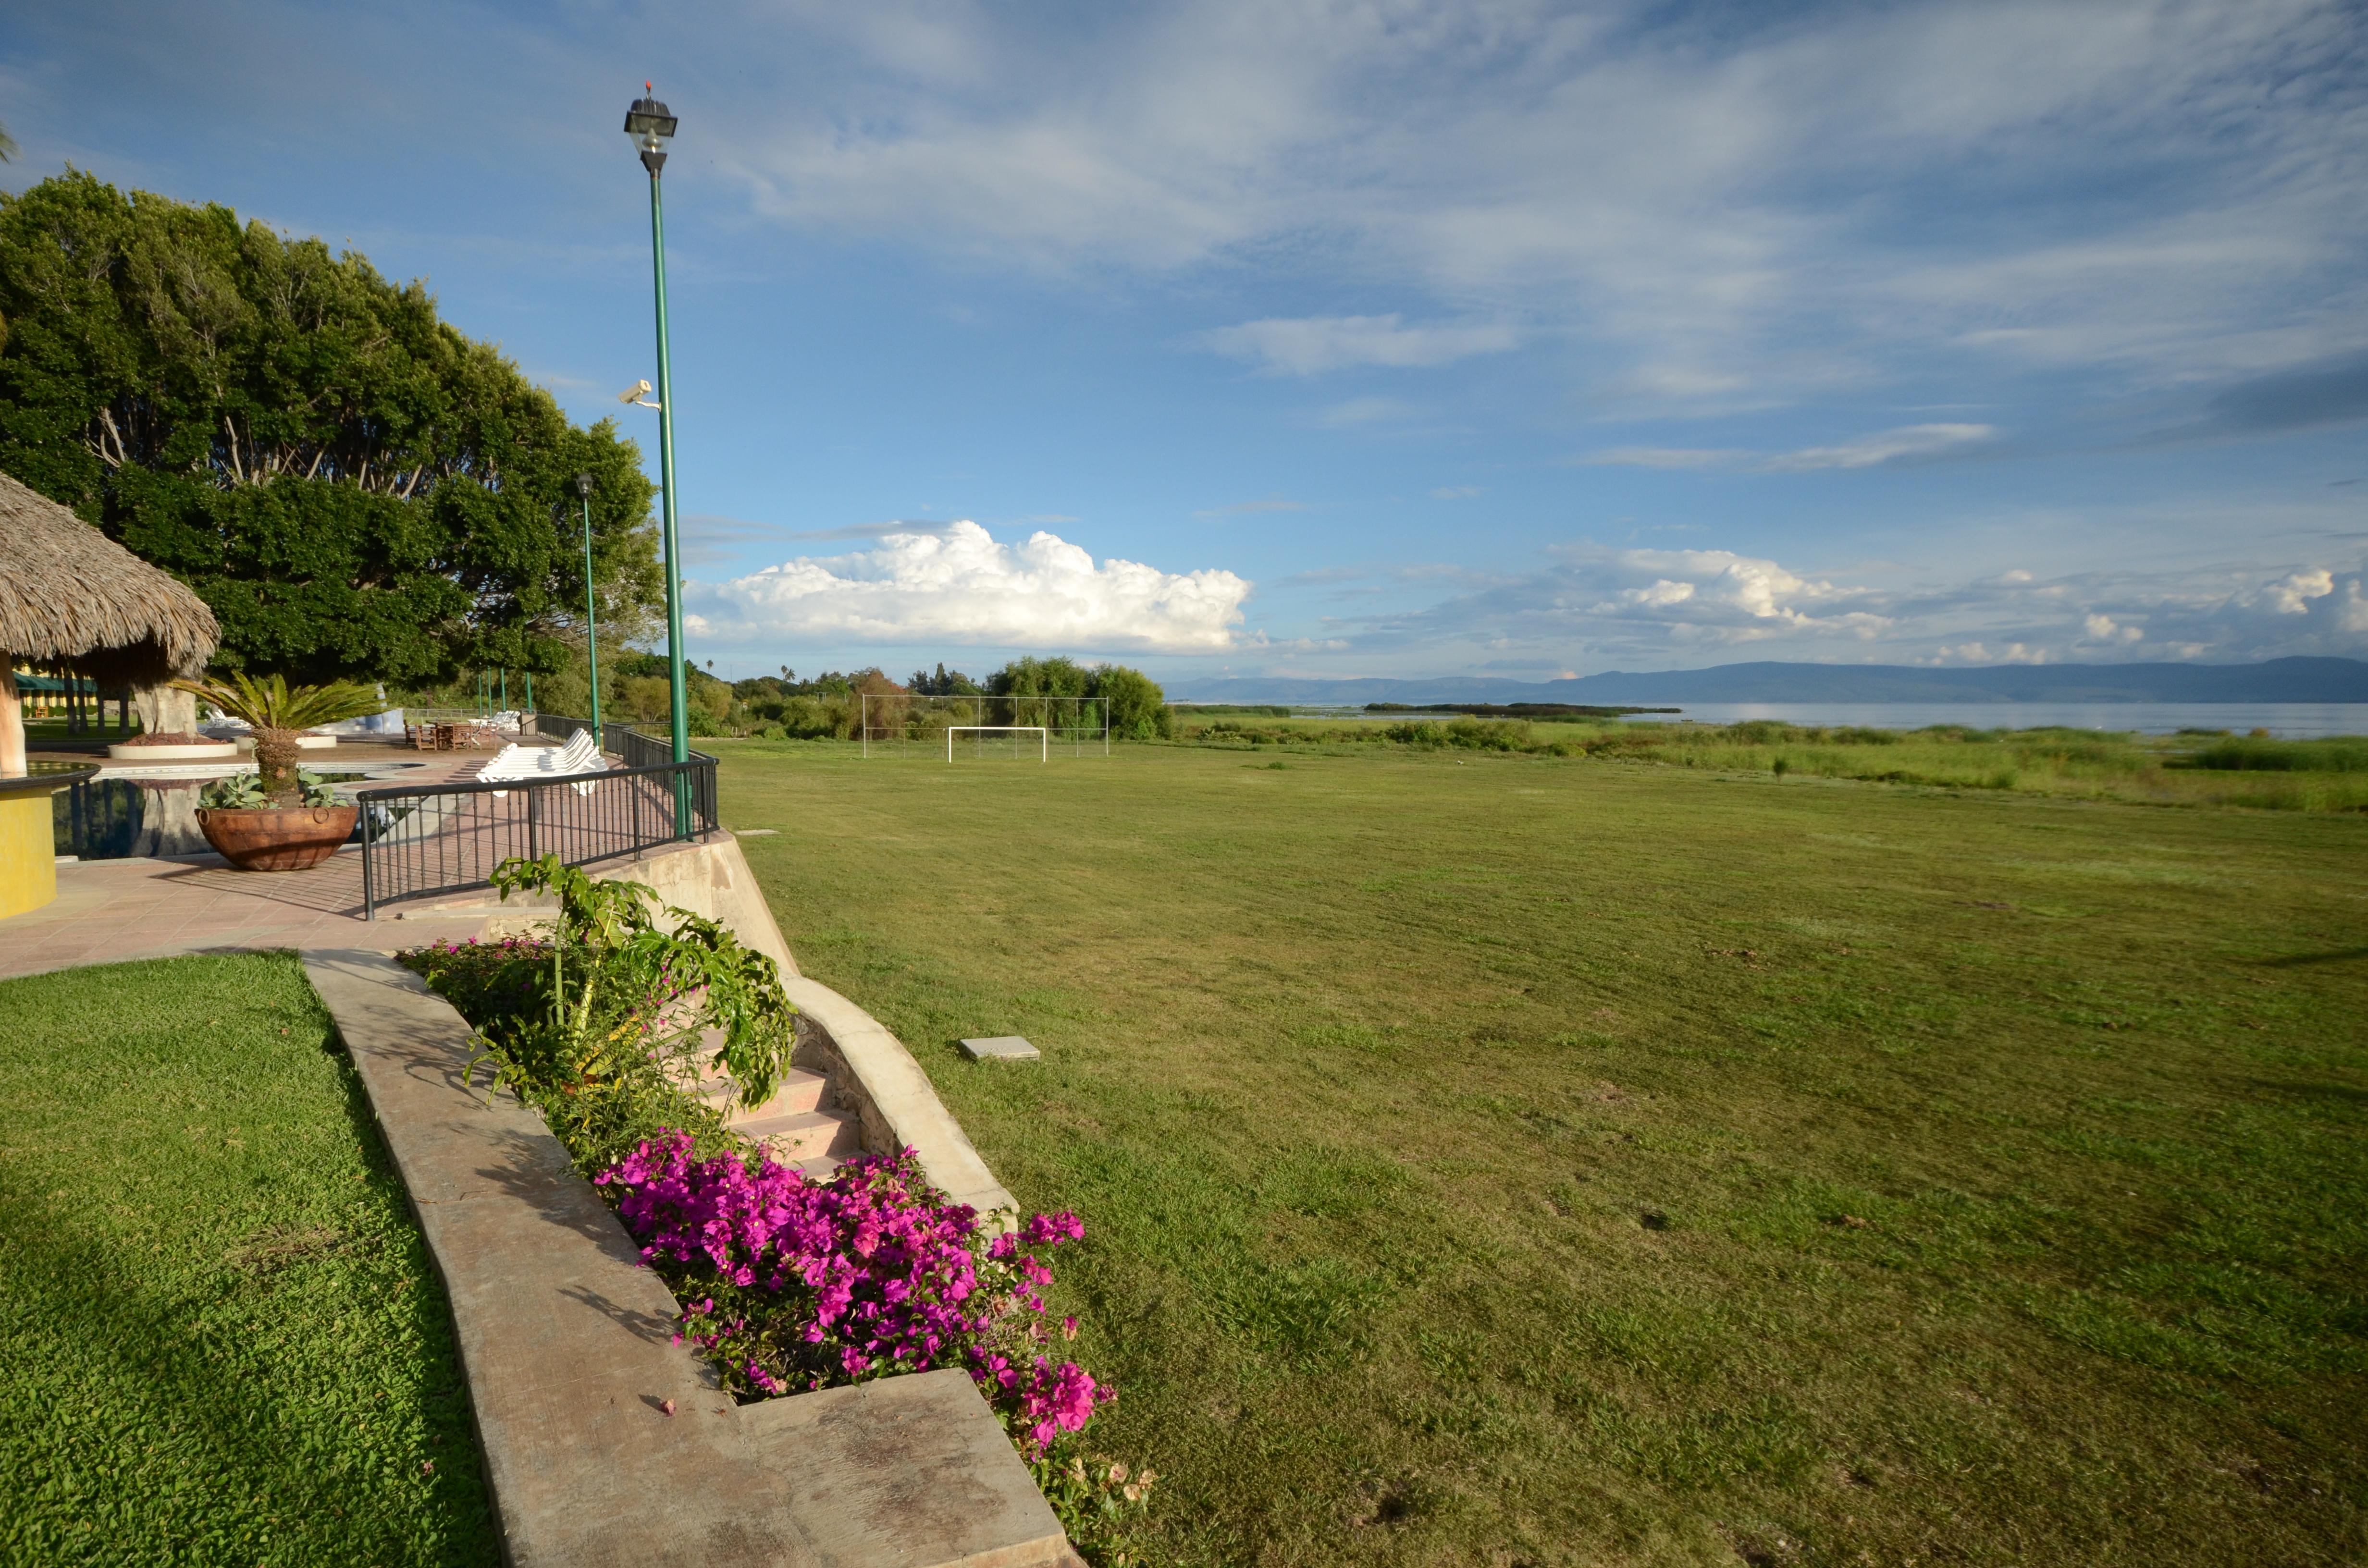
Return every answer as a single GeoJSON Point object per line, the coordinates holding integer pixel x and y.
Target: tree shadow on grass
{"type": "Point", "coordinates": [155, 1366]}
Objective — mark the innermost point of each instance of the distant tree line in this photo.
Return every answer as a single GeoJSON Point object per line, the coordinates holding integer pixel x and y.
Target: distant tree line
{"type": "Point", "coordinates": [828, 704]}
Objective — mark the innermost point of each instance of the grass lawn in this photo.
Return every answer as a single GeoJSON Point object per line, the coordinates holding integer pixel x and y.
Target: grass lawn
{"type": "Point", "coordinates": [1503, 1160]}
{"type": "Point", "coordinates": [220, 1341]}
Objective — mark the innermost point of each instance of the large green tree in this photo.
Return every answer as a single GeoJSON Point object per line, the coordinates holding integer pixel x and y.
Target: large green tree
{"type": "Point", "coordinates": [356, 489]}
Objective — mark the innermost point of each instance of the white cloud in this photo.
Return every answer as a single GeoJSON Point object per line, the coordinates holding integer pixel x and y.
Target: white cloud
{"type": "Point", "coordinates": [1672, 457]}
{"type": "Point", "coordinates": [1309, 345]}
{"type": "Point", "coordinates": [2293, 594]}
{"type": "Point", "coordinates": [1909, 443]}
{"type": "Point", "coordinates": [960, 585]}
{"type": "Point", "coordinates": [1457, 491]}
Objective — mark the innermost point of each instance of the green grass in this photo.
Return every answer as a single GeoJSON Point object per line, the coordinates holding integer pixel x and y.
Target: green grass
{"type": "Point", "coordinates": [1519, 1160]}
{"type": "Point", "coordinates": [220, 1341]}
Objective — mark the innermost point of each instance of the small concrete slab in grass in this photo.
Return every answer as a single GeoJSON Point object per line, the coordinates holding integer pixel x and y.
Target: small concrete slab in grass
{"type": "Point", "coordinates": [1000, 1048]}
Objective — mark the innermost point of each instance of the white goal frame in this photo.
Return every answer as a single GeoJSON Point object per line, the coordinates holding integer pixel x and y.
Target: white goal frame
{"type": "Point", "coordinates": [1042, 733]}
{"type": "Point", "coordinates": [896, 719]}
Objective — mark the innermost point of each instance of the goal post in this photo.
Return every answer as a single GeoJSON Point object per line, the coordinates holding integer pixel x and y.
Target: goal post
{"type": "Point", "coordinates": [1044, 736]}
{"type": "Point", "coordinates": [913, 722]}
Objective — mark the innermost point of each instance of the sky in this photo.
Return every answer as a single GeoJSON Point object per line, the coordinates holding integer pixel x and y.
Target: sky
{"type": "Point", "coordinates": [1256, 337]}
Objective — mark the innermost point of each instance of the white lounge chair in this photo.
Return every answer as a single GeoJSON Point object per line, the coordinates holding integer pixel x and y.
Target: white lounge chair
{"type": "Point", "coordinates": [513, 763]}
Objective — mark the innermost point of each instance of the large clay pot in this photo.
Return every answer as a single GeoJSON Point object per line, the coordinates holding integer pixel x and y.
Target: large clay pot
{"type": "Point", "coordinates": [273, 840]}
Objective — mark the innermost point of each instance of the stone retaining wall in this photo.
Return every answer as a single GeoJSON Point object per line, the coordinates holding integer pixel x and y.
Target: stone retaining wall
{"type": "Point", "coordinates": [606, 1445]}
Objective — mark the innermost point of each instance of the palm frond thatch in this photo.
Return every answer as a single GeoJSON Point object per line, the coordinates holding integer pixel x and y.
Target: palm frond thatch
{"type": "Point", "coordinates": [70, 595]}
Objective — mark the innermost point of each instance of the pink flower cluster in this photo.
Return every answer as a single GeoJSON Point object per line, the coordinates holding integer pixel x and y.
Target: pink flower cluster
{"type": "Point", "coordinates": [817, 1283]}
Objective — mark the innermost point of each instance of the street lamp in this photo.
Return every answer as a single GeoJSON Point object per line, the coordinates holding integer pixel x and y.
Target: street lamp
{"type": "Point", "coordinates": [591, 609]}
{"type": "Point", "coordinates": [650, 125]}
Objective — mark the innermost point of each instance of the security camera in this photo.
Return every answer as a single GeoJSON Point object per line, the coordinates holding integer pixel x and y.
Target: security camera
{"type": "Point", "coordinates": [638, 396]}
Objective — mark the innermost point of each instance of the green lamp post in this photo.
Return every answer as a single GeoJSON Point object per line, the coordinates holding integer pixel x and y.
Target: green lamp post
{"type": "Point", "coordinates": [651, 126]}
{"type": "Point", "coordinates": [591, 608]}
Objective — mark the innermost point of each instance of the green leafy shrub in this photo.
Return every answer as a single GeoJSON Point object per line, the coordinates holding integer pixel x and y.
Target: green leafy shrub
{"type": "Point", "coordinates": [244, 792]}
{"type": "Point", "coordinates": [601, 1027]}
{"type": "Point", "coordinates": [2342, 755]}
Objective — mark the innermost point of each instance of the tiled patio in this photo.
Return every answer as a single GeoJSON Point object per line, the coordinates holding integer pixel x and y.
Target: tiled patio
{"type": "Point", "coordinates": [111, 911]}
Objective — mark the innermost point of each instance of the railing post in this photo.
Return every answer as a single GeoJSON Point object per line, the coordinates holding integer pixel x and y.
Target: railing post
{"type": "Point", "coordinates": [369, 899]}
{"type": "Point", "coordinates": [533, 836]}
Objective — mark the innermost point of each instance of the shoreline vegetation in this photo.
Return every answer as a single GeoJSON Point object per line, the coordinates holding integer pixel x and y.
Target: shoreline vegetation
{"type": "Point", "coordinates": [2191, 769]}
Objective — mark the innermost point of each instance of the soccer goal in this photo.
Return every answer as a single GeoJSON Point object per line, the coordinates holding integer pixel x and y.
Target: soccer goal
{"type": "Point", "coordinates": [1043, 737]}
{"type": "Point", "coordinates": [910, 721]}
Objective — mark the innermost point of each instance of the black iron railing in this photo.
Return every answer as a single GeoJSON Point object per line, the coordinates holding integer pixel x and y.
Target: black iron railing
{"type": "Point", "coordinates": [449, 837]}
{"type": "Point", "coordinates": [629, 746]}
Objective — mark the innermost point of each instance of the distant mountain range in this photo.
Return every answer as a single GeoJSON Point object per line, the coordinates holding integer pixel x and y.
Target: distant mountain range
{"type": "Point", "coordinates": [2276, 680]}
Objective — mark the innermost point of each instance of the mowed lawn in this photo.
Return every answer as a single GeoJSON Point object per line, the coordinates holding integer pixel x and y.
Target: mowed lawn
{"type": "Point", "coordinates": [221, 1342]}
{"type": "Point", "coordinates": [1529, 1160]}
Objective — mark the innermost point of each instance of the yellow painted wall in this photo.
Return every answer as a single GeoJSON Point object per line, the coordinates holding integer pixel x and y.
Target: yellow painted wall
{"type": "Point", "coordinates": [28, 861]}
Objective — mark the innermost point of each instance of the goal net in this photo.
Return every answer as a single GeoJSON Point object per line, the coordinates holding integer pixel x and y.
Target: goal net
{"type": "Point", "coordinates": [985, 727]}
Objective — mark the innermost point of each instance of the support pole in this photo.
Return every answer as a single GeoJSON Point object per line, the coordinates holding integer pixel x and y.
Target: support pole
{"type": "Point", "coordinates": [591, 625]}
{"type": "Point", "coordinates": [677, 683]}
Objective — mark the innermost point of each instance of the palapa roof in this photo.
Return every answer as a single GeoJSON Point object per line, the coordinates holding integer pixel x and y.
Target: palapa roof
{"type": "Point", "coordinates": [71, 595]}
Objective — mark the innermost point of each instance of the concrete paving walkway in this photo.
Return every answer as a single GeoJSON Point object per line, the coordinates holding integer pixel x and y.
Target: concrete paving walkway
{"type": "Point", "coordinates": [111, 910]}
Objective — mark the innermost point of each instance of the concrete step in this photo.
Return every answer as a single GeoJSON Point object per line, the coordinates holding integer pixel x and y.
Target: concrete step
{"type": "Point", "coordinates": [798, 1136]}
{"type": "Point", "coordinates": [799, 1090]}
{"type": "Point", "coordinates": [818, 1168]}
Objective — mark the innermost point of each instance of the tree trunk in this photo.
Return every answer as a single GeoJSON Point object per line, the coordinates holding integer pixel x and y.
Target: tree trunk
{"type": "Point", "coordinates": [165, 712]}
{"type": "Point", "coordinates": [274, 760]}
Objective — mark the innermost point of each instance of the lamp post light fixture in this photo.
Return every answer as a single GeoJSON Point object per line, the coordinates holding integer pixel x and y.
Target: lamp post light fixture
{"type": "Point", "coordinates": [651, 126]}
{"type": "Point", "coordinates": [591, 609]}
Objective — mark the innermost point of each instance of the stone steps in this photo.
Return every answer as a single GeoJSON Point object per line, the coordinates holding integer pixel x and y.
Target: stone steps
{"type": "Point", "coordinates": [796, 1126]}
{"type": "Point", "coordinates": [796, 1137]}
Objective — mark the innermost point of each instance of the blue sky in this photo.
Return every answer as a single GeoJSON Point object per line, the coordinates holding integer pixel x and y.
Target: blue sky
{"type": "Point", "coordinates": [1370, 339]}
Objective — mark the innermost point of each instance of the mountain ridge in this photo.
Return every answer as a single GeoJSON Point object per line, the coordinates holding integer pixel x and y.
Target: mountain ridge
{"type": "Point", "coordinates": [2295, 679]}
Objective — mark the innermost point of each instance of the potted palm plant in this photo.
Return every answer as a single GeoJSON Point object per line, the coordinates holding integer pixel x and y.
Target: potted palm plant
{"type": "Point", "coordinates": [280, 819]}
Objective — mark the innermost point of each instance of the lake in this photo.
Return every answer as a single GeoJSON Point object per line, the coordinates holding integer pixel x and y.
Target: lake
{"type": "Point", "coordinates": [2288, 721]}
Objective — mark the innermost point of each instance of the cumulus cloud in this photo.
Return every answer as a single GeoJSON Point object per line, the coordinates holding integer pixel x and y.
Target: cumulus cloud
{"type": "Point", "coordinates": [1309, 345]}
{"type": "Point", "coordinates": [1909, 443]}
{"type": "Point", "coordinates": [959, 585]}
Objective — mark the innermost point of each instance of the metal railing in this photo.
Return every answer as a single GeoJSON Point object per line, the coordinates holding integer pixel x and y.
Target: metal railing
{"type": "Point", "coordinates": [631, 747]}
{"type": "Point", "coordinates": [449, 837]}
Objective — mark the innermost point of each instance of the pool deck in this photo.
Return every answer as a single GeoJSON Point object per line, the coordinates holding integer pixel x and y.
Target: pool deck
{"type": "Point", "coordinates": [113, 910]}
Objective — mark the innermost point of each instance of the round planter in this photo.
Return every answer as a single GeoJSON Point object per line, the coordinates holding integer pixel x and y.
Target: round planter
{"type": "Point", "coordinates": [195, 752]}
{"type": "Point", "coordinates": [275, 840]}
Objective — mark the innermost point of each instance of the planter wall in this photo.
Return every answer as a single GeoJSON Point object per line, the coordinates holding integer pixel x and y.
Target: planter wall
{"type": "Point", "coordinates": [195, 751]}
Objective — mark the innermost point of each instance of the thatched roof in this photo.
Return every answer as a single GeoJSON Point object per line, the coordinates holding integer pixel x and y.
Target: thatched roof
{"type": "Point", "coordinates": [70, 595]}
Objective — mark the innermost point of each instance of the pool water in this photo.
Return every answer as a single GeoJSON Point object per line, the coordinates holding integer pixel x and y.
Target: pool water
{"type": "Point", "coordinates": [114, 818]}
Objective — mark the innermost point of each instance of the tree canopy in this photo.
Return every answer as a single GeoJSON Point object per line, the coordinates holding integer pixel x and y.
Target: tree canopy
{"type": "Point", "coordinates": [355, 487]}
